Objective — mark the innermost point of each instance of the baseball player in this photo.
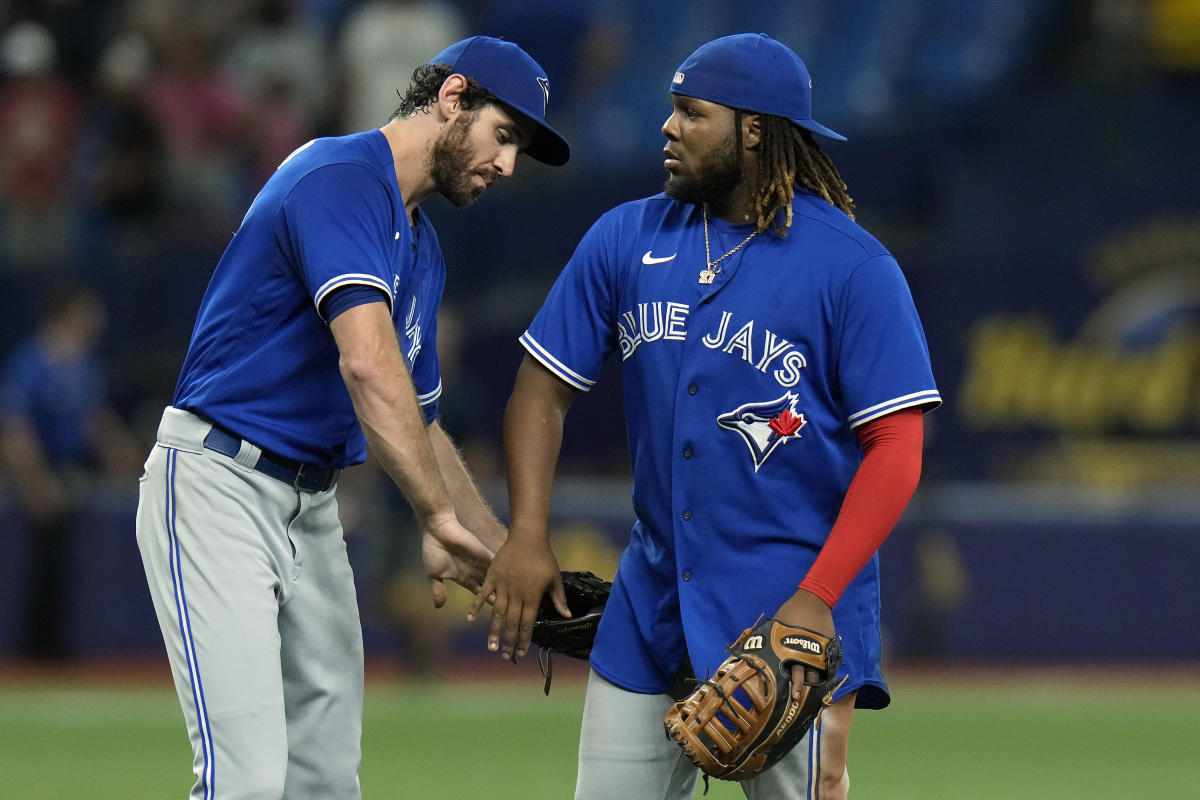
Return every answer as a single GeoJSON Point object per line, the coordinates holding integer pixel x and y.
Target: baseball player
{"type": "Point", "coordinates": [774, 373]}
{"type": "Point", "coordinates": [59, 434]}
{"type": "Point", "coordinates": [314, 341]}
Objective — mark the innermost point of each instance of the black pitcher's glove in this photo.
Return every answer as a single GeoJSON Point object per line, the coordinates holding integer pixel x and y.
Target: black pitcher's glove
{"type": "Point", "coordinates": [553, 633]}
{"type": "Point", "coordinates": [744, 720]}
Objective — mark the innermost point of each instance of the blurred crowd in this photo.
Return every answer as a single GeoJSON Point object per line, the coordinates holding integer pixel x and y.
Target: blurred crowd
{"type": "Point", "coordinates": [123, 122]}
{"type": "Point", "coordinates": [117, 119]}
{"type": "Point", "coordinates": [127, 122]}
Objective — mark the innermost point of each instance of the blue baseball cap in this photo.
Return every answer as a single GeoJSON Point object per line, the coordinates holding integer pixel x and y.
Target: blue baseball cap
{"type": "Point", "coordinates": [754, 72]}
{"type": "Point", "coordinates": [509, 73]}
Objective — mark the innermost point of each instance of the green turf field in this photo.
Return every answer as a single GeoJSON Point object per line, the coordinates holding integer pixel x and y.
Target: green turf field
{"type": "Point", "coordinates": [975, 742]}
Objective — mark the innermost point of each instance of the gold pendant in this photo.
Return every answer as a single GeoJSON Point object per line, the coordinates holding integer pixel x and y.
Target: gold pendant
{"type": "Point", "coordinates": [707, 276]}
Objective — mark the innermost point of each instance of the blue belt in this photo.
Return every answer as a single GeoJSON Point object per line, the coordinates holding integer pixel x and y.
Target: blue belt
{"type": "Point", "coordinates": [296, 474]}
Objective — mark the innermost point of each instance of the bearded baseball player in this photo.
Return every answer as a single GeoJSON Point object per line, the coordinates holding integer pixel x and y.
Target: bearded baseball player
{"type": "Point", "coordinates": [314, 341]}
{"type": "Point", "coordinates": [775, 373]}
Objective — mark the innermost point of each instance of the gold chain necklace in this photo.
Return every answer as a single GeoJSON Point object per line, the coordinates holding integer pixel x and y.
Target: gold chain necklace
{"type": "Point", "coordinates": [709, 273]}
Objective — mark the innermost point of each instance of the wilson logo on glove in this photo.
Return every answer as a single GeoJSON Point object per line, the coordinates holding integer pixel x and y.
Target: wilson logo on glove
{"type": "Point", "coordinates": [803, 643]}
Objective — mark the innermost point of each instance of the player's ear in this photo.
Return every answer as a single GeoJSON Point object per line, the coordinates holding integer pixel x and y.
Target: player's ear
{"type": "Point", "coordinates": [751, 131]}
{"type": "Point", "coordinates": [449, 102]}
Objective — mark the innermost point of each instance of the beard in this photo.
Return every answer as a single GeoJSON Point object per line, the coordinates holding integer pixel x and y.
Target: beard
{"type": "Point", "coordinates": [712, 181]}
{"type": "Point", "coordinates": [450, 164]}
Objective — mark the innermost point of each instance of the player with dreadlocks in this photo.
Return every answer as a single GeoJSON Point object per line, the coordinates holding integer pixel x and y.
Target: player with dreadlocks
{"type": "Point", "coordinates": [774, 373]}
{"type": "Point", "coordinates": [789, 155]}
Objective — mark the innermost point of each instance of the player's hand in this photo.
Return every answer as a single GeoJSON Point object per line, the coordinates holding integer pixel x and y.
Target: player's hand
{"type": "Point", "coordinates": [451, 552]}
{"type": "Point", "coordinates": [805, 610]}
{"type": "Point", "coordinates": [523, 571]}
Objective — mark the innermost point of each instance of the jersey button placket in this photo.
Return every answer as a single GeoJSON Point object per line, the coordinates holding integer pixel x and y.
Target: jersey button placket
{"type": "Point", "coordinates": [687, 453]}
{"type": "Point", "coordinates": [687, 450]}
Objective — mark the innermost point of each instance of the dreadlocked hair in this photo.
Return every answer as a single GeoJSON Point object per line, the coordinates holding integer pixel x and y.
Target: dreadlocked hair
{"type": "Point", "coordinates": [427, 81]}
{"type": "Point", "coordinates": [788, 155]}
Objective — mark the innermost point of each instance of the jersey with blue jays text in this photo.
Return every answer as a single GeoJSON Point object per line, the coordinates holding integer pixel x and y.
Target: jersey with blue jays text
{"type": "Point", "coordinates": [262, 362]}
{"type": "Point", "coordinates": [740, 400]}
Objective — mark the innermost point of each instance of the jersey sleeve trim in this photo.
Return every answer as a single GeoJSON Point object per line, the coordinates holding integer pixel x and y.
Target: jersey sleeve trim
{"type": "Point", "coordinates": [350, 279]}
{"type": "Point", "coordinates": [929, 398]}
{"type": "Point", "coordinates": [554, 365]}
{"type": "Point", "coordinates": [429, 397]}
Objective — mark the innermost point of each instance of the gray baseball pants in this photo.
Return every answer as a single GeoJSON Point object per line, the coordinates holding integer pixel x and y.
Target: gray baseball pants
{"type": "Point", "coordinates": [624, 753]}
{"type": "Point", "coordinates": [256, 602]}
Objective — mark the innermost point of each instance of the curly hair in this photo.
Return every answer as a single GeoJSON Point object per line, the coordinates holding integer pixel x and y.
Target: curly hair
{"type": "Point", "coordinates": [427, 81]}
{"type": "Point", "coordinates": [788, 154]}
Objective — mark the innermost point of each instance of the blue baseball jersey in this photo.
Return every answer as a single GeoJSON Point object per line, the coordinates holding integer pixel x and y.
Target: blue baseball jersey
{"type": "Point", "coordinates": [741, 398]}
{"type": "Point", "coordinates": [262, 360]}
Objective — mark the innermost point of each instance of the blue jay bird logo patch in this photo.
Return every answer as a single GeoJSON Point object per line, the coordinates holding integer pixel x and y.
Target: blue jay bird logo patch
{"type": "Point", "coordinates": [765, 426]}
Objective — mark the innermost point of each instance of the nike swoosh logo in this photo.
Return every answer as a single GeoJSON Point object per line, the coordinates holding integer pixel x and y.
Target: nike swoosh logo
{"type": "Point", "coordinates": [650, 260]}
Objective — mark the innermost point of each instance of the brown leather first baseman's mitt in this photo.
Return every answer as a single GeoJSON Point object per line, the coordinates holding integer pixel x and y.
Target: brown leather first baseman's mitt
{"type": "Point", "coordinates": [744, 719]}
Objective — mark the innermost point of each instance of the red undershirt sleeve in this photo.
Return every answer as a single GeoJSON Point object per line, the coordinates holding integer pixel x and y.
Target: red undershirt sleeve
{"type": "Point", "coordinates": [881, 488]}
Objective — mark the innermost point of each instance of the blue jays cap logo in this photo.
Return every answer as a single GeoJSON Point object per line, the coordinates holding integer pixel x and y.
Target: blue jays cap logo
{"type": "Point", "coordinates": [765, 426]}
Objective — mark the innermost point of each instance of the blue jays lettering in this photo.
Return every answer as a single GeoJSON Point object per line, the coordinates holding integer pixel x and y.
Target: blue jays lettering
{"type": "Point", "coordinates": [667, 321]}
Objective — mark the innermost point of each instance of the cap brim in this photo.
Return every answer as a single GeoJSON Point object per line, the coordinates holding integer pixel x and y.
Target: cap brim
{"type": "Point", "coordinates": [818, 128]}
{"type": "Point", "coordinates": [548, 147]}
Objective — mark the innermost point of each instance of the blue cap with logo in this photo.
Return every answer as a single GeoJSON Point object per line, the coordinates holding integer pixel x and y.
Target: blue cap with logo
{"type": "Point", "coordinates": [754, 72]}
{"type": "Point", "coordinates": [509, 73]}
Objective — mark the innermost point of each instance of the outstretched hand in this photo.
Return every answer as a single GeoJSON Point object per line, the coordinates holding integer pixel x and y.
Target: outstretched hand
{"type": "Point", "coordinates": [520, 575]}
{"type": "Point", "coordinates": [451, 552]}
